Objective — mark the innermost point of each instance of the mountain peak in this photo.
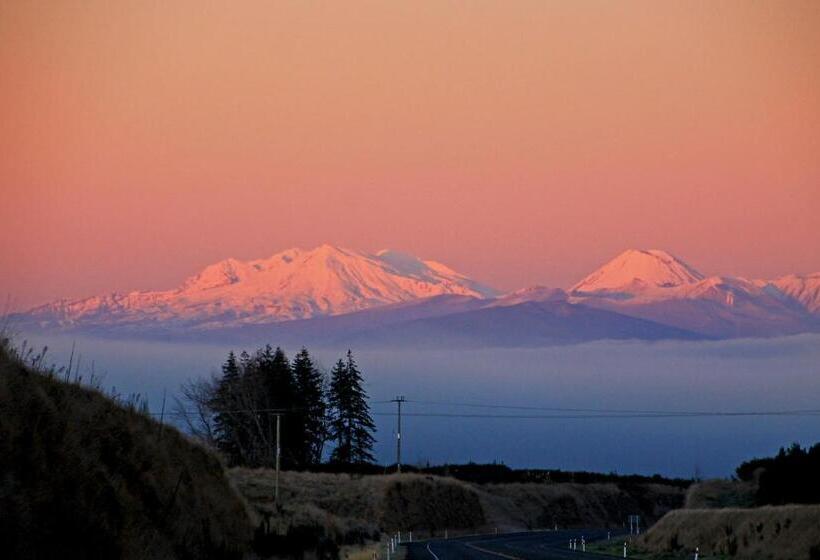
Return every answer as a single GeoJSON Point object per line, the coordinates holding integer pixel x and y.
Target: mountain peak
{"type": "Point", "coordinates": [292, 284]}
{"type": "Point", "coordinates": [638, 270]}
{"type": "Point", "coordinates": [328, 249]}
{"type": "Point", "coordinates": [803, 289]}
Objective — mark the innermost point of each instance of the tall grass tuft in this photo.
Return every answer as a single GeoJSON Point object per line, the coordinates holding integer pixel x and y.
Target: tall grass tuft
{"type": "Point", "coordinates": [84, 475]}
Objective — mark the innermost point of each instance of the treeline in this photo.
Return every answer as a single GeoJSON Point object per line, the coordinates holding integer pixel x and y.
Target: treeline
{"type": "Point", "coordinates": [263, 399]}
{"type": "Point", "coordinates": [501, 474]}
{"type": "Point", "coordinates": [498, 473]}
{"type": "Point", "coordinates": [790, 477]}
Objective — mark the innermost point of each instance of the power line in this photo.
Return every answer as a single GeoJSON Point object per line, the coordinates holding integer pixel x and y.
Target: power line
{"type": "Point", "coordinates": [550, 408]}
{"type": "Point", "coordinates": [613, 411]}
{"type": "Point", "coordinates": [619, 414]}
{"type": "Point", "coordinates": [607, 416]}
{"type": "Point", "coordinates": [558, 412]}
{"type": "Point", "coordinates": [253, 410]}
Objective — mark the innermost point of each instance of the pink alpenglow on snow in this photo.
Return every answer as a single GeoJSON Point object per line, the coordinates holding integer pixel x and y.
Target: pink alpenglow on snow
{"type": "Point", "coordinates": [329, 282]}
{"type": "Point", "coordinates": [293, 284]}
{"type": "Point", "coordinates": [636, 271]}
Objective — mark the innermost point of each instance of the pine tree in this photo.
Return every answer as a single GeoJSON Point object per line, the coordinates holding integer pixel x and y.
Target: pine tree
{"type": "Point", "coordinates": [351, 425]}
{"type": "Point", "coordinates": [310, 409]}
{"type": "Point", "coordinates": [337, 403]}
{"type": "Point", "coordinates": [228, 430]}
{"type": "Point", "coordinates": [363, 427]}
{"type": "Point", "coordinates": [244, 360]}
{"type": "Point", "coordinates": [275, 389]}
{"type": "Point", "coordinates": [254, 390]}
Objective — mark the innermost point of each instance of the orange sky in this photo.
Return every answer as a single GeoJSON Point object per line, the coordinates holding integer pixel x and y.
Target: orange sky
{"type": "Point", "coordinates": [520, 142]}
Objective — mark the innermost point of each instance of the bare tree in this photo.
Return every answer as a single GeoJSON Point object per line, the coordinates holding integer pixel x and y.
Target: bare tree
{"type": "Point", "coordinates": [194, 408]}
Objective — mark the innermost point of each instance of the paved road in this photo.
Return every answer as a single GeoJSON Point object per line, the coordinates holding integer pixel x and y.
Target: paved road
{"type": "Point", "coordinates": [540, 545]}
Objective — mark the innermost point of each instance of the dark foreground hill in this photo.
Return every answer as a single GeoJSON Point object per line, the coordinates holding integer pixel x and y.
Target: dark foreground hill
{"type": "Point", "coordinates": [82, 476]}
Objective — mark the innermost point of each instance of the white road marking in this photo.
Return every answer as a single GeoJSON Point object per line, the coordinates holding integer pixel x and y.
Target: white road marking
{"type": "Point", "coordinates": [488, 551]}
{"type": "Point", "coordinates": [430, 550]}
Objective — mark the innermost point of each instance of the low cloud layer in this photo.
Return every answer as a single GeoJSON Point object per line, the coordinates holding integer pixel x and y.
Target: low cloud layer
{"type": "Point", "coordinates": [737, 375]}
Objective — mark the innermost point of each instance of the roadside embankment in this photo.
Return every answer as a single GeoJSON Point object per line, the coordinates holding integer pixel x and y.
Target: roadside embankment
{"type": "Point", "coordinates": [772, 532]}
{"type": "Point", "coordinates": [353, 509]}
{"type": "Point", "coordinates": [83, 475]}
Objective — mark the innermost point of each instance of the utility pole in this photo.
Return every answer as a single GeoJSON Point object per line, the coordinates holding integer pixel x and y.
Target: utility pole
{"type": "Point", "coordinates": [398, 400]}
{"type": "Point", "coordinates": [278, 455]}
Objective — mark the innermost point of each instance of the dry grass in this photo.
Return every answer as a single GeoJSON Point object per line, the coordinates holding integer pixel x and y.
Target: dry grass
{"type": "Point", "coordinates": [355, 508]}
{"type": "Point", "coordinates": [534, 506]}
{"type": "Point", "coordinates": [776, 532]}
{"type": "Point", "coordinates": [711, 494]}
{"type": "Point", "coordinates": [330, 502]}
{"type": "Point", "coordinates": [375, 551]}
{"type": "Point", "coordinates": [352, 507]}
{"type": "Point", "coordinates": [83, 477]}
{"type": "Point", "coordinates": [321, 515]}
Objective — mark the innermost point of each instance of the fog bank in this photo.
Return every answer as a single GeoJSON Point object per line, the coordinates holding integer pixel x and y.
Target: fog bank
{"type": "Point", "coordinates": [737, 375]}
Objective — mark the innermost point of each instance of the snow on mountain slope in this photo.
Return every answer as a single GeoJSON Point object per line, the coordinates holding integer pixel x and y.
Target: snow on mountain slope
{"type": "Point", "coordinates": [532, 294]}
{"type": "Point", "coordinates": [657, 286]}
{"type": "Point", "coordinates": [637, 271]}
{"type": "Point", "coordinates": [803, 289]}
{"type": "Point", "coordinates": [330, 293]}
{"type": "Point", "coordinates": [293, 284]}
{"type": "Point", "coordinates": [719, 307]}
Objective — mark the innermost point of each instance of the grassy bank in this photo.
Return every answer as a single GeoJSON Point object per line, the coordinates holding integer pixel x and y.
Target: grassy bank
{"type": "Point", "coordinates": [773, 532]}
{"type": "Point", "coordinates": [711, 494]}
{"type": "Point", "coordinates": [615, 548]}
{"type": "Point", "coordinates": [354, 508]}
{"type": "Point", "coordinates": [82, 476]}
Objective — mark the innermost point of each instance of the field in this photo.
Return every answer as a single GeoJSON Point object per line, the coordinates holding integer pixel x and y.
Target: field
{"type": "Point", "coordinates": [356, 508]}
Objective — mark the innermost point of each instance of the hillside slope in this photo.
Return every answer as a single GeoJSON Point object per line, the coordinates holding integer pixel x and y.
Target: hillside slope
{"type": "Point", "coordinates": [803, 289]}
{"type": "Point", "coordinates": [774, 532]}
{"type": "Point", "coordinates": [83, 477]}
{"type": "Point", "coordinates": [519, 325]}
{"type": "Point", "coordinates": [352, 507]}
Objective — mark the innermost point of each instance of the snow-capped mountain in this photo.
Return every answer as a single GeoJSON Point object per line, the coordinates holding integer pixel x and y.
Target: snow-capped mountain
{"type": "Point", "coordinates": [635, 272]}
{"type": "Point", "coordinates": [803, 289]}
{"type": "Point", "coordinates": [293, 284]}
{"type": "Point", "coordinates": [333, 295]}
{"type": "Point", "coordinates": [658, 286]}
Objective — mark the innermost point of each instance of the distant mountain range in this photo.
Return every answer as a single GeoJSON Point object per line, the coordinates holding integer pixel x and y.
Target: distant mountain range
{"type": "Point", "coordinates": [293, 284]}
{"type": "Point", "coordinates": [339, 296]}
{"type": "Point", "coordinates": [657, 286]}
